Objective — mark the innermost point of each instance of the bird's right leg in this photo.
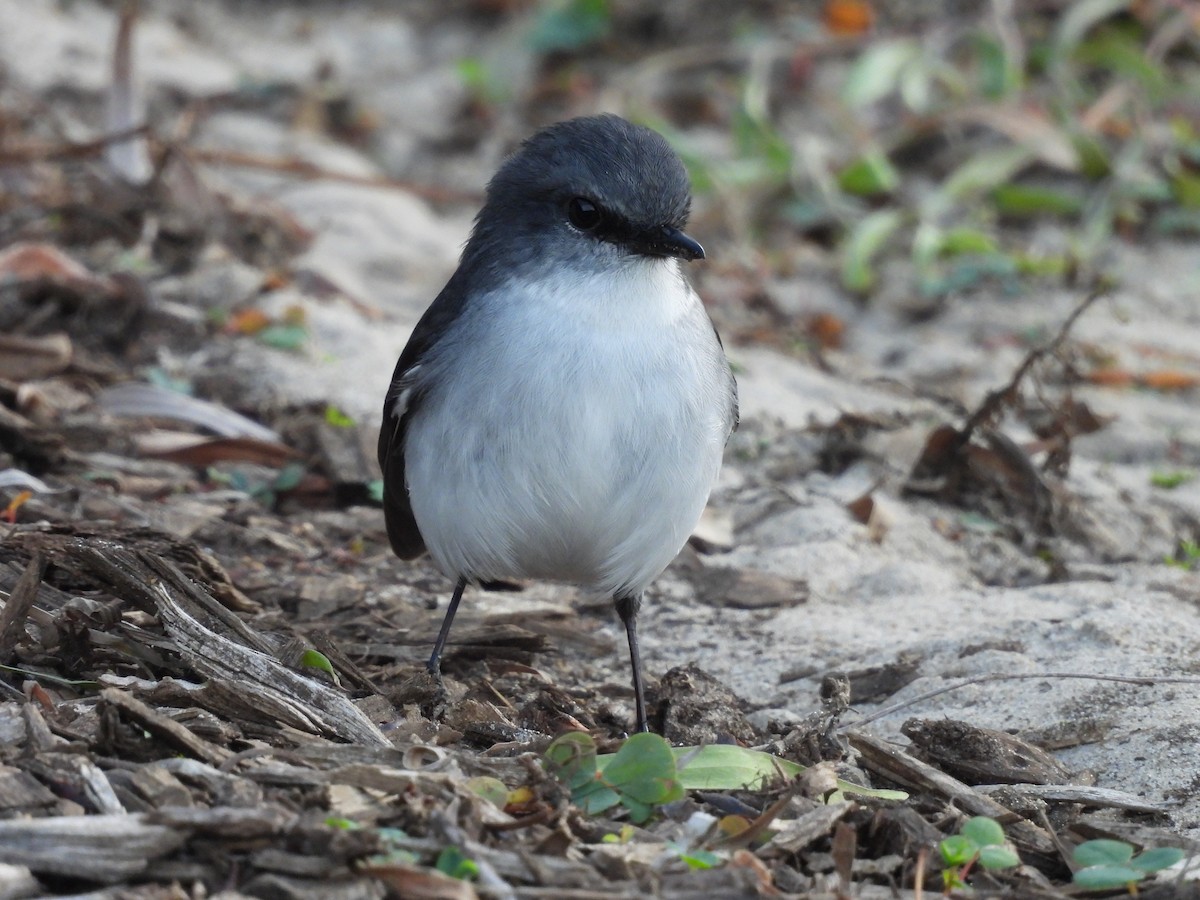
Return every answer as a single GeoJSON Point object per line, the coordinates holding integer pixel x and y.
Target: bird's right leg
{"type": "Point", "coordinates": [434, 666]}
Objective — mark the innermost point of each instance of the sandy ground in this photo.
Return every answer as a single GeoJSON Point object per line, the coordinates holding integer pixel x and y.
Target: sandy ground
{"type": "Point", "coordinates": [932, 582]}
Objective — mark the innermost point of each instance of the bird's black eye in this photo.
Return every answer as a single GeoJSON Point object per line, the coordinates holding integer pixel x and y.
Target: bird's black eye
{"type": "Point", "coordinates": [584, 214]}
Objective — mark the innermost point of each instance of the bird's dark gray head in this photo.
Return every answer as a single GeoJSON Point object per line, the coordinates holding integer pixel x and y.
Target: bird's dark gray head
{"type": "Point", "coordinates": [587, 191]}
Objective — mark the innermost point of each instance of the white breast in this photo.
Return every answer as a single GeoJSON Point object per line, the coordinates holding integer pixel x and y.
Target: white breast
{"type": "Point", "coordinates": [572, 432]}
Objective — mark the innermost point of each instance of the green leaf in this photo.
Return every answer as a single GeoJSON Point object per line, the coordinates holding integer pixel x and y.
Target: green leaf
{"type": "Point", "coordinates": [572, 758]}
{"type": "Point", "coordinates": [1157, 858]}
{"type": "Point", "coordinates": [314, 659]}
{"type": "Point", "coordinates": [1186, 188]}
{"type": "Point", "coordinates": [1124, 56]}
{"type": "Point", "coordinates": [1104, 877]}
{"type": "Point", "coordinates": [393, 854]}
{"type": "Point", "coordinates": [726, 767]}
{"type": "Point", "coordinates": [916, 83]}
{"type": "Point", "coordinates": [1035, 200]}
{"type": "Point", "coordinates": [375, 490]}
{"type": "Point", "coordinates": [998, 76]}
{"type": "Point", "coordinates": [643, 771]}
{"type": "Point", "coordinates": [876, 73]}
{"type": "Point", "coordinates": [869, 176]}
{"type": "Point", "coordinates": [1095, 159]}
{"type": "Point", "coordinates": [453, 862]}
{"type": "Point", "coordinates": [491, 789]}
{"type": "Point", "coordinates": [998, 857]}
{"type": "Point", "coordinates": [985, 171]}
{"type": "Point", "coordinates": [1081, 17]}
{"type": "Point", "coordinates": [283, 337]}
{"type": "Point", "coordinates": [849, 787]}
{"type": "Point", "coordinates": [762, 148]}
{"type": "Point", "coordinates": [960, 241]}
{"type": "Point", "coordinates": [337, 418]}
{"type": "Point", "coordinates": [697, 859]}
{"type": "Point", "coordinates": [983, 830]}
{"type": "Point", "coordinates": [288, 477]}
{"type": "Point", "coordinates": [863, 244]}
{"type": "Point", "coordinates": [1102, 852]}
{"type": "Point", "coordinates": [958, 850]}
{"type": "Point", "coordinates": [569, 25]}
{"type": "Point", "coordinates": [1170, 480]}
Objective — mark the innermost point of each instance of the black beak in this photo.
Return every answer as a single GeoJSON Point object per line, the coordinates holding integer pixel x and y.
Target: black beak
{"type": "Point", "coordinates": [668, 241]}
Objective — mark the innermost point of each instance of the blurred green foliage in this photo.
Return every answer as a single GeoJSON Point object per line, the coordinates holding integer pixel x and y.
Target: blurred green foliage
{"type": "Point", "coordinates": [1002, 142]}
{"type": "Point", "coordinates": [969, 132]}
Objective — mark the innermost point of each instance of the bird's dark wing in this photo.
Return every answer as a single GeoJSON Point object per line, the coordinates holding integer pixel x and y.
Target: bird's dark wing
{"type": "Point", "coordinates": [404, 396]}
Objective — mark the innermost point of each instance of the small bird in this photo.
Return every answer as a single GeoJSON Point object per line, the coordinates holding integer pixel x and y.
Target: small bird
{"type": "Point", "coordinates": [561, 409]}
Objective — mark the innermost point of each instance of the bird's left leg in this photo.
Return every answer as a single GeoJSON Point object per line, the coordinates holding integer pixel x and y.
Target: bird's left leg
{"type": "Point", "coordinates": [627, 609]}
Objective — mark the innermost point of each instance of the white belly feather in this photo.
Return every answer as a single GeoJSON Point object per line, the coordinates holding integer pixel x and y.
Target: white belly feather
{"type": "Point", "coordinates": [577, 436]}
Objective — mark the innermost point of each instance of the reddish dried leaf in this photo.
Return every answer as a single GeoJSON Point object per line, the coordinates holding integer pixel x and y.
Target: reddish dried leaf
{"type": "Point", "coordinates": [744, 859]}
{"type": "Point", "coordinates": [1111, 377]}
{"type": "Point", "coordinates": [247, 321]}
{"type": "Point", "coordinates": [1169, 380]}
{"type": "Point", "coordinates": [827, 330]}
{"type": "Point", "coordinates": [939, 450]}
{"type": "Point", "coordinates": [10, 511]}
{"type": "Point", "coordinates": [33, 262]}
{"type": "Point", "coordinates": [843, 849]}
{"type": "Point", "coordinates": [196, 450]}
{"type": "Point", "coordinates": [862, 508]}
{"type": "Point", "coordinates": [848, 17]}
{"type": "Point", "coordinates": [413, 883]}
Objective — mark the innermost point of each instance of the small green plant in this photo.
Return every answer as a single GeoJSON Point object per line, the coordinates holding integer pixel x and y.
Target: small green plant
{"type": "Point", "coordinates": [453, 862]}
{"type": "Point", "coordinates": [1187, 558]}
{"type": "Point", "coordinates": [647, 772]}
{"type": "Point", "coordinates": [1108, 864]}
{"type": "Point", "coordinates": [315, 659]}
{"type": "Point", "coordinates": [337, 418]}
{"type": "Point", "coordinates": [1170, 480]}
{"type": "Point", "coordinates": [979, 842]}
{"type": "Point", "coordinates": [640, 776]}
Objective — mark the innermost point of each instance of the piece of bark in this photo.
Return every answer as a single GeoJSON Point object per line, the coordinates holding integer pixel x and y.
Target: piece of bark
{"type": "Point", "coordinates": [16, 608]}
{"type": "Point", "coordinates": [21, 793]}
{"type": "Point", "coordinates": [159, 787]}
{"type": "Point", "coordinates": [896, 764]}
{"type": "Point", "coordinates": [75, 778]}
{"type": "Point", "coordinates": [982, 755]}
{"type": "Point", "coordinates": [798, 833]}
{"type": "Point", "coordinates": [163, 727]}
{"type": "Point", "coordinates": [39, 738]}
{"type": "Point", "coordinates": [105, 849]}
{"type": "Point", "coordinates": [221, 787]}
{"type": "Point", "coordinates": [276, 690]}
{"type": "Point", "coordinates": [1097, 798]}
{"type": "Point", "coordinates": [692, 708]}
{"type": "Point", "coordinates": [272, 859]}
{"type": "Point", "coordinates": [17, 882]}
{"type": "Point", "coordinates": [876, 683]}
{"type": "Point", "coordinates": [36, 448]}
{"type": "Point", "coordinates": [227, 822]}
